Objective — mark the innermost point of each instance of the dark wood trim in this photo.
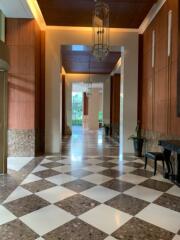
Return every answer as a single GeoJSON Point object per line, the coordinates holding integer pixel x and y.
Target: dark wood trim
{"type": "Point", "coordinates": [140, 77]}
{"type": "Point", "coordinates": [63, 105]}
{"type": "Point", "coordinates": [85, 104]}
{"type": "Point", "coordinates": [178, 71]}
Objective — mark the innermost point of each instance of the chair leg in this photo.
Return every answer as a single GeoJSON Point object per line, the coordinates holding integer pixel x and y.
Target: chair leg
{"type": "Point", "coordinates": [155, 167]}
{"type": "Point", "coordinates": [145, 163]}
{"type": "Point", "coordinates": [163, 164]}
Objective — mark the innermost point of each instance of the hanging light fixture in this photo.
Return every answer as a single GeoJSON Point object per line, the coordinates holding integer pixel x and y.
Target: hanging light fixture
{"type": "Point", "coordinates": [100, 30]}
{"type": "Point", "coordinates": [89, 82]}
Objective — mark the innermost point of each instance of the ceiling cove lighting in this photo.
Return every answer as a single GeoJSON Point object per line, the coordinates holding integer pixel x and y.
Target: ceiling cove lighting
{"type": "Point", "coordinates": [101, 30]}
{"type": "Point", "coordinates": [33, 5]}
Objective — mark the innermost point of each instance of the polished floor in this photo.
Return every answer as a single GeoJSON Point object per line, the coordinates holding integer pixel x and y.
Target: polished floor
{"type": "Point", "coordinates": [89, 192]}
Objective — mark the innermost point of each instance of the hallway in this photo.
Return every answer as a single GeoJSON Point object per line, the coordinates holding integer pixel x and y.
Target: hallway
{"type": "Point", "coordinates": [88, 193]}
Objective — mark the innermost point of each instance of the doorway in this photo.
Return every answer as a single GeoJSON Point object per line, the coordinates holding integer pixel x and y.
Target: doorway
{"type": "Point", "coordinates": [77, 111]}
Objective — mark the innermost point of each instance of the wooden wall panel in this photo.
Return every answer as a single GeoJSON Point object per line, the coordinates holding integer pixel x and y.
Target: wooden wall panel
{"type": "Point", "coordinates": [159, 84]}
{"type": "Point", "coordinates": [20, 39]}
{"type": "Point", "coordinates": [26, 78]}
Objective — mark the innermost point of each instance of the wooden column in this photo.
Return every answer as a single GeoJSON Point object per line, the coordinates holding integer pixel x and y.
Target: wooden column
{"type": "Point", "coordinates": [63, 105]}
{"type": "Point", "coordinates": [115, 105]}
{"type": "Point", "coordinates": [26, 77]}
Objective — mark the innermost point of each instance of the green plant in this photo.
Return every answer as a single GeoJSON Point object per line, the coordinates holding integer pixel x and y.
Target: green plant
{"type": "Point", "coordinates": [106, 125]}
{"type": "Point", "coordinates": [138, 132]}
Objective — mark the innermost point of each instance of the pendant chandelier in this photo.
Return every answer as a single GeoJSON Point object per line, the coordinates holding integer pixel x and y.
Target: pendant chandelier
{"type": "Point", "coordinates": [89, 82]}
{"type": "Point", "coordinates": [100, 30]}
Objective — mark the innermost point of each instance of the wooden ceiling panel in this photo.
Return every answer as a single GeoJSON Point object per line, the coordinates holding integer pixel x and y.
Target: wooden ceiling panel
{"type": "Point", "coordinates": [84, 62]}
{"type": "Point", "coordinates": [123, 13]}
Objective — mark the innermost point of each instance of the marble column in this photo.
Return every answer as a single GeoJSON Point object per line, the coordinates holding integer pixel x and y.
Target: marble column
{"type": "Point", "coordinates": [93, 106]}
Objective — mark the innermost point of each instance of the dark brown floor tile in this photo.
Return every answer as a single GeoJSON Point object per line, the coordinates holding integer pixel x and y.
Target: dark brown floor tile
{"type": "Point", "coordinates": [79, 173]}
{"type": "Point", "coordinates": [76, 230]}
{"type": "Point", "coordinates": [107, 164]}
{"type": "Point", "coordinates": [118, 185]}
{"type": "Point", "coordinates": [169, 201]}
{"type": "Point", "coordinates": [46, 173]}
{"type": "Point", "coordinates": [77, 204]}
{"type": "Point", "coordinates": [52, 164]}
{"type": "Point", "coordinates": [143, 173]}
{"type": "Point", "coordinates": [127, 204]}
{"type": "Point", "coordinates": [157, 185]}
{"type": "Point", "coordinates": [78, 185]}
{"type": "Point", "coordinates": [136, 229]}
{"type": "Point", "coordinates": [38, 186]}
{"type": "Point", "coordinates": [111, 173]}
{"type": "Point", "coordinates": [134, 164]}
{"type": "Point", "coordinates": [25, 205]}
{"type": "Point", "coordinates": [16, 230]}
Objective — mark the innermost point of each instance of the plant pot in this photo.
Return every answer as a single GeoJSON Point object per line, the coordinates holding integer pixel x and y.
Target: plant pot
{"type": "Point", "coordinates": [106, 131]}
{"type": "Point", "coordinates": [138, 146]}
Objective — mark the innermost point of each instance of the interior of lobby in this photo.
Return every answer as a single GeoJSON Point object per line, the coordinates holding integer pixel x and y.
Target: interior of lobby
{"type": "Point", "coordinates": [89, 120]}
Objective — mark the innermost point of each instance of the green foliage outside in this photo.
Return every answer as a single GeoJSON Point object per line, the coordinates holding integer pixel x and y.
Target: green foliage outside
{"type": "Point", "coordinates": [77, 105]}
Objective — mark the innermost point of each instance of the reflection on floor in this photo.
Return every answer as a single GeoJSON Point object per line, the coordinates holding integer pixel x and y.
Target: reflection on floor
{"type": "Point", "coordinates": [89, 193]}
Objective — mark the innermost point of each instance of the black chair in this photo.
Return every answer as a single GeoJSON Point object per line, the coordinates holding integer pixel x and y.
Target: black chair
{"type": "Point", "coordinates": [156, 156]}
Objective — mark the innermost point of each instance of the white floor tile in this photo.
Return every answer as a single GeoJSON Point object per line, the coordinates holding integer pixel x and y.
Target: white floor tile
{"type": "Point", "coordinates": [19, 192]}
{"type": "Point", "coordinates": [46, 161]}
{"type": "Point", "coordinates": [30, 178]}
{"type": "Point", "coordinates": [46, 219]}
{"type": "Point", "coordinates": [96, 178]}
{"type": "Point", "coordinates": [94, 168]}
{"type": "Point", "coordinates": [17, 163]}
{"type": "Point", "coordinates": [117, 161]}
{"type": "Point", "coordinates": [61, 179]}
{"type": "Point", "coordinates": [110, 238]}
{"type": "Point", "coordinates": [132, 178]}
{"type": "Point", "coordinates": [177, 237]}
{"type": "Point", "coordinates": [100, 194]}
{"type": "Point", "coordinates": [39, 168]}
{"type": "Point", "coordinates": [94, 161]}
{"type": "Point", "coordinates": [144, 193]}
{"type": "Point", "coordinates": [5, 215]}
{"type": "Point", "coordinates": [65, 161]}
{"type": "Point", "coordinates": [66, 168]}
{"type": "Point", "coordinates": [174, 191]}
{"type": "Point", "coordinates": [55, 194]}
{"type": "Point", "coordinates": [105, 218]}
{"type": "Point", "coordinates": [124, 169]}
{"type": "Point", "coordinates": [161, 216]}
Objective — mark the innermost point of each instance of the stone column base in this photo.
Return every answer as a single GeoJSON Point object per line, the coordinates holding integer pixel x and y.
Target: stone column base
{"type": "Point", "coordinates": [21, 143]}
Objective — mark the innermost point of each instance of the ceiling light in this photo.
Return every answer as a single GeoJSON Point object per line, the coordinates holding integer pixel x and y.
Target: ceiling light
{"type": "Point", "coordinates": [101, 30]}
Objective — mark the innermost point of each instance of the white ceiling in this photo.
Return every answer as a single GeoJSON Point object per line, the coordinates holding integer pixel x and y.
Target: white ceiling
{"type": "Point", "coordinates": [15, 8]}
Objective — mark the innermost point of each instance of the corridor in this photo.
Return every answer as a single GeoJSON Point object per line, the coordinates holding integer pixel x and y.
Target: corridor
{"type": "Point", "coordinates": [89, 192]}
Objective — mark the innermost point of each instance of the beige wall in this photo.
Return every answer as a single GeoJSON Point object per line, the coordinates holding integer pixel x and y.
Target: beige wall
{"type": "Point", "coordinates": [2, 26]}
{"type": "Point", "coordinates": [93, 109]}
{"type": "Point", "coordinates": [55, 37]}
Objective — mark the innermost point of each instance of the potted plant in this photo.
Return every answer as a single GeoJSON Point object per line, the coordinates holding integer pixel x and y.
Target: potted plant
{"type": "Point", "coordinates": [107, 129]}
{"type": "Point", "coordinates": [138, 141]}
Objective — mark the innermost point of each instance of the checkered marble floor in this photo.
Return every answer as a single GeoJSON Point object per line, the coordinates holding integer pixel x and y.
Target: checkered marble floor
{"type": "Point", "coordinates": [98, 196]}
